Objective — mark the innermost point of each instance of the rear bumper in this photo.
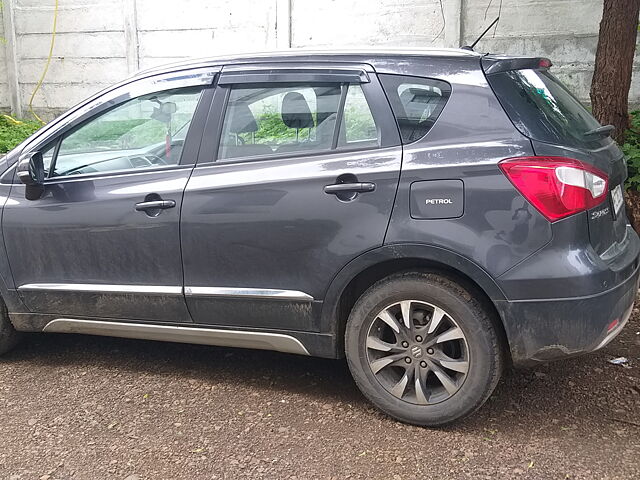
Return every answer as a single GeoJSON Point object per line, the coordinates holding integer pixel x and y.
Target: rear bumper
{"type": "Point", "coordinates": [552, 328]}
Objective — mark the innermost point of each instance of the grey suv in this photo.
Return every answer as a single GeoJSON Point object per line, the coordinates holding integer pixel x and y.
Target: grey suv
{"type": "Point", "coordinates": [432, 216]}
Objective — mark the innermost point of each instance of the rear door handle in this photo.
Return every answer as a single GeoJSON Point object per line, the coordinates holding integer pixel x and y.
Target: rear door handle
{"type": "Point", "coordinates": [155, 205]}
{"type": "Point", "coordinates": [358, 187]}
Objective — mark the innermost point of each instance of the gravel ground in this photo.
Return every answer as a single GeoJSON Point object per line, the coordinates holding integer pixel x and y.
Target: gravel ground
{"type": "Point", "coordinates": [79, 407]}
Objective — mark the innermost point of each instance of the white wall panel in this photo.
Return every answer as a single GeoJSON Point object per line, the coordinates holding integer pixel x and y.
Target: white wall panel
{"type": "Point", "coordinates": [91, 46]}
{"type": "Point", "coordinates": [70, 70]}
{"type": "Point", "coordinates": [95, 17]}
{"type": "Point", "coordinates": [76, 45]}
{"type": "Point", "coordinates": [361, 23]}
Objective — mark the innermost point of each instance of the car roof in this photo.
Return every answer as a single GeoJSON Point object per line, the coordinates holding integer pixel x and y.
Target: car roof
{"type": "Point", "coordinates": [362, 55]}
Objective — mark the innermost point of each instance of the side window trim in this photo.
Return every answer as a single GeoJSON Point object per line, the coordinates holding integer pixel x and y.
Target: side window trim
{"type": "Point", "coordinates": [56, 149]}
{"type": "Point", "coordinates": [382, 113]}
{"type": "Point", "coordinates": [112, 173]}
{"type": "Point", "coordinates": [286, 76]}
{"type": "Point", "coordinates": [374, 95]}
{"type": "Point", "coordinates": [296, 72]}
{"type": "Point", "coordinates": [344, 88]}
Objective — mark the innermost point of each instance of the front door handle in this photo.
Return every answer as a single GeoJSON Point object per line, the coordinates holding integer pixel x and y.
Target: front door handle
{"type": "Point", "coordinates": [155, 205]}
{"type": "Point", "coordinates": [357, 187]}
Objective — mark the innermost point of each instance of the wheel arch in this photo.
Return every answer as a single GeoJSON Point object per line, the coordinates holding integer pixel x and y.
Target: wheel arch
{"type": "Point", "coordinates": [362, 272]}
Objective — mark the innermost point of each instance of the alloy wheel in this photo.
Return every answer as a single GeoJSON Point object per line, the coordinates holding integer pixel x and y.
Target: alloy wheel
{"type": "Point", "coordinates": [417, 352]}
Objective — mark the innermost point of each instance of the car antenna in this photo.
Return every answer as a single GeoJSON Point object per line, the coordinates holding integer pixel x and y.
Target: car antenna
{"type": "Point", "coordinates": [467, 47]}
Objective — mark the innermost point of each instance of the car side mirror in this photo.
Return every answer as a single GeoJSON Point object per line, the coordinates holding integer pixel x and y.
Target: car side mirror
{"type": "Point", "coordinates": [31, 169]}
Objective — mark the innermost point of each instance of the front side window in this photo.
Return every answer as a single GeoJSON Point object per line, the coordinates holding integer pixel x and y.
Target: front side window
{"type": "Point", "coordinates": [416, 102]}
{"type": "Point", "coordinates": [146, 131]}
{"type": "Point", "coordinates": [289, 118]}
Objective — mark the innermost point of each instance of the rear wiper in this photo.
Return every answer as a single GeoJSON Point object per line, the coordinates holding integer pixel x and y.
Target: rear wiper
{"type": "Point", "coordinates": [603, 131]}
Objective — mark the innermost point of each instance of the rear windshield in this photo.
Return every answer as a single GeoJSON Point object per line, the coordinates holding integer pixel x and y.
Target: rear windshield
{"type": "Point", "coordinates": [542, 108]}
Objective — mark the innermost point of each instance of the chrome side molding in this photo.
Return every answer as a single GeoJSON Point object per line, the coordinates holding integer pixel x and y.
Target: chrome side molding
{"type": "Point", "coordinates": [102, 288]}
{"type": "Point", "coordinates": [240, 292]}
{"type": "Point", "coordinates": [166, 333]}
{"type": "Point", "coordinates": [228, 292]}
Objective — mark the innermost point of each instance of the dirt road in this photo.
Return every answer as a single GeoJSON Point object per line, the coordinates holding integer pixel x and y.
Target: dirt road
{"type": "Point", "coordinates": [76, 407]}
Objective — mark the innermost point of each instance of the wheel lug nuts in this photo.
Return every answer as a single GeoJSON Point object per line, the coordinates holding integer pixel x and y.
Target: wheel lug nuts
{"type": "Point", "coordinates": [408, 360]}
{"type": "Point", "coordinates": [423, 364]}
{"type": "Point", "coordinates": [405, 344]}
{"type": "Point", "coordinates": [430, 351]}
{"type": "Point", "coordinates": [418, 338]}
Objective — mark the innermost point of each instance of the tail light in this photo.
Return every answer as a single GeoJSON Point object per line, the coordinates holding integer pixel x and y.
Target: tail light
{"type": "Point", "coordinates": [557, 186]}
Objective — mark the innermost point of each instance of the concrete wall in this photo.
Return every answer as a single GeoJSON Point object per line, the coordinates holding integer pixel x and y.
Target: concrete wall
{"type": "Point", "coordinates": [4, 88]}
{"type": "Point", "coordinates": [203, 28]}
{"type": "Point", "coordinates": [100, 42]}
{"type": "Point", "coordinates": [566, 31]}
{"type": "Point", "coordinates": [89, 50]}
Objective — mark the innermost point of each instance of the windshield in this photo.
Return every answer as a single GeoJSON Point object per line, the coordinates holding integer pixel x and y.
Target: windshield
{"type": "Point", "coordinates": [542, 108]}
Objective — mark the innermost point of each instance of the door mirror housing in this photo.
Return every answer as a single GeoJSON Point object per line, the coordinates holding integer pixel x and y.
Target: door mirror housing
{"type": "Point", "coordinates": [31, 168]}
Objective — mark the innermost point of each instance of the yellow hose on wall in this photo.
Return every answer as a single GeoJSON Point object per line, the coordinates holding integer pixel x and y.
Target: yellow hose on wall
{"type": "Point", "coordinates": [46, 67]}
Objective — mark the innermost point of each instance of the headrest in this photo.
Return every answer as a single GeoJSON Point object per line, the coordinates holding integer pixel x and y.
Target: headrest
{"type": "Point", "coordinates": [295, 111]}
{"type": "Point", "coordinates": [242, 120]}
{"type": "Point", "coordinates": [418, 95]}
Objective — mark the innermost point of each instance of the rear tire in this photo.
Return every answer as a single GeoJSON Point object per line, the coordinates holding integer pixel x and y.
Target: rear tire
{"type": "Point", "coordinates": [9, 336]}
{"type": "Point", "coordinates": [422, 349]}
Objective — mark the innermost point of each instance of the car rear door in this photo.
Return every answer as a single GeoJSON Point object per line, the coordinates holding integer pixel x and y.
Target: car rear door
{"type": "Point", "coordinates": [102, 238]}
{"type": "Point", "coordinates": [296, 177]}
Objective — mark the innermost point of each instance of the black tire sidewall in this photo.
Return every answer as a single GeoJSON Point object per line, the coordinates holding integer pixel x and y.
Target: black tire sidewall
{"type": "Point", "coordinates": [484, 361]}
{"type": "Point", "coordinates": [9, 337]}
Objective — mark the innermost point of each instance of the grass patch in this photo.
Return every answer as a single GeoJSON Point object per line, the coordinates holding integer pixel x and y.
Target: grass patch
{"type": "Point", "coordinates": [12, 133]}
{"type": "Point", "coordinates": [631, 149]}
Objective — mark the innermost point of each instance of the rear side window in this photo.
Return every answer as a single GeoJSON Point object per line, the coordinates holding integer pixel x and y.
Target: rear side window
{"type": "Point", "coordinates": [292, 119]}
{"type": "Point", "coordinates": [541, 107]}
{"type": "Point", "coordinates": [416, 102]}
{"type": "Point", "coordinates": [358, 126]}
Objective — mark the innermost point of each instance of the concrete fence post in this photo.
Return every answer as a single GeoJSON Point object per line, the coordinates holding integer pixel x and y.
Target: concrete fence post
{"type": "Point", "coordinates": [132, 50]}
{"type": "Point", "coordinates": [453, 25]}
{"type": "Point", "coordinates": [8, 17]}
{"type": "Point", "coordinates": [283, 24]}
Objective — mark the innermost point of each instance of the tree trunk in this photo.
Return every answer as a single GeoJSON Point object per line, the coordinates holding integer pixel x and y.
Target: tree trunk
{"type": "Point", "coordinates": [614, 63]}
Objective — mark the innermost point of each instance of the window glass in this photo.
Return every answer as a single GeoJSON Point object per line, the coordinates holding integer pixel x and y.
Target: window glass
{"type": "Point", "coordinates": [416, 102]}
{"type": "Point", "coordinates": [359, 126]}
{"type": "Point", "coordinates": [47, 157]}
{"type": "Point", "coordinates": [146, 131]}
{"type": "Point", "coordinates": [289, 118]}
{"type": "Point", "coordinates": [542, 108]}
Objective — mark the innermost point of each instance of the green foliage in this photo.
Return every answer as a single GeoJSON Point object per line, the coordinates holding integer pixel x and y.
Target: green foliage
{"type": "Point", "coordinates": [272, 130]}
{"type": "Point", "coordinates": [105, 134]}
{"type": "Point", "coordinates": [12, 133]}
{"type": "Point", "coordinates": [115, 134]}
{"type": "Point", "coordinates": [631, 149]}
{"type": "Point", "coordinates": [359, 124]}
{"type": "Point", "coordinates": [99, 135]}
{"type": "Point", "coordinates": [123, 134]}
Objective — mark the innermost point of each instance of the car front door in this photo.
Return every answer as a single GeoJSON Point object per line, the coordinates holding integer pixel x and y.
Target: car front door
{"type": "Point", "coordinates": [101, 239]}
{"type": "Point", "coordinates": [296, 177]}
